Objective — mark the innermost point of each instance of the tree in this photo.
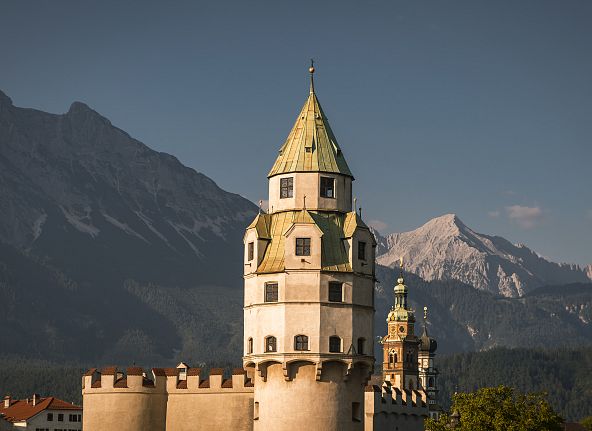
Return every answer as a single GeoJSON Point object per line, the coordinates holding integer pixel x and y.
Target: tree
{"type": "Point", "coordinates": [587, 423]}
{"type": "Point", "coordinates": [500, 409]}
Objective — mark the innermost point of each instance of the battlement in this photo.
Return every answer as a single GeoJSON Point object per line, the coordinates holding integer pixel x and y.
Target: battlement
{"type": "Point", "coordinates": [386, 398]}
{"type": "Point", "coordinates": [164, 380]}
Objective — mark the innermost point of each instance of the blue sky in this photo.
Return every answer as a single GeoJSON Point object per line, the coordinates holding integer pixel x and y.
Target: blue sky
{"type": "Point", "coordinates": [481, 108]}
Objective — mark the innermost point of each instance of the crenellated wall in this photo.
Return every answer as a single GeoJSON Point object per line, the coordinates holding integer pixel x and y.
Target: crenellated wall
{"type": "Point", "coordinates": [390, 408]}
{"type": "Point", "coordinates": [170, 399]}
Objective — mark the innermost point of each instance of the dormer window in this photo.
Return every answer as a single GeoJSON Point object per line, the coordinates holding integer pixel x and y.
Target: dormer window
{"type": "Point", "coordinates": [250, 251]}
{"type": "Point", "coordinates": [302, 246]}
{"type": "Point", "coordinates": [361, 250]}
{"type": "Point", "coordinates": [327, 187]}
{"type": "Point", "coordinates": [286, 187]}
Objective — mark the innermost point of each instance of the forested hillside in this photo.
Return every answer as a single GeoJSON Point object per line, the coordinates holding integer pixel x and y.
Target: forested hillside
{"type": "Point", "coordinates": [566, 375]}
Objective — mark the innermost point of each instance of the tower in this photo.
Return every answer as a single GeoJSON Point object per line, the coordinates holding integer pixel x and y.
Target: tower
{"type": "Point", "coordinates": [400, 345]}
{"type": "Point", "coordinates": [309, 287]}
{"type": "Point", "coordinates": [428, 373]}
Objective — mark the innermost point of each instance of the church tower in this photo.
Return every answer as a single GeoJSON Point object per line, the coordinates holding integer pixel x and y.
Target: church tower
{"type": "Point", "coordinates": [428, 373]}
{"type": "Point", "coordinates": [309, 288]}
{"type": "Point", "coordinates": [400, 345]}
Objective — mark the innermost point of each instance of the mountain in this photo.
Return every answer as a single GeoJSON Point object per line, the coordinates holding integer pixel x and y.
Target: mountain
{"type": "Point", "coordinates": [107, 246]}
{"type": "Point", "coordinates": [446, 249]}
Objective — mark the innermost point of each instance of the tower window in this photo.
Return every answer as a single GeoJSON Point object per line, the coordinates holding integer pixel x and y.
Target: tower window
{"type": "Point", "coordinates": [286, 187]}
{"type": "Point", "coordinates": [256, 411]}
{"type": "Point", "coordinates": [335, 291]}
{"type": "Point", "coordinates": [250, 251]}
{"type": "Point", "coordinates": [356, 412]}
{"type": "Point", "coordinates": [431, 382]}
{"type": "Point", "coordinates": [361, 250]}
{"type": "Point", "coordinates": [302, 246]}
{"type": "Point", "coordinates": [334, 344]}
{"type": "Point", "coordinates": [361, 342]}
{"type": "Point", "coordinates": [300, 342]}
{"type": "Point", "coordinates": [327, 187]}
{"type": "Point", "coordinates": [250, 345]}
{"type": "Point", "coordinates": [271, 292]}
{"type": "Point", "coordinates": [270, 344]}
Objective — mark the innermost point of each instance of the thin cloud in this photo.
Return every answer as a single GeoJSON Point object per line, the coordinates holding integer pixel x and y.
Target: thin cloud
{"type": "Point", "coordinates": [494, 214]}
{"type": "Point", "coordinates": [526, 217]}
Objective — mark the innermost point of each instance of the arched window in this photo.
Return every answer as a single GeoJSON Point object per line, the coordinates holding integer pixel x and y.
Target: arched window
{"type": "Point", "coordinates": [250, 345]}
{"type": "Point", "coordinates": [270, 344]}
{"type": "Point", "coordinates": [361, 342]}
{"type": "Point", "coordinates": [300, 342]}
{"type": "Point", "coordinates": [391, 358]}
{"type": "Point", "coordinates": [396, 358]}
{"type": "Point", "coordinates": [431, 382]}
{"type": "Point", "coordinates": [335, 344]}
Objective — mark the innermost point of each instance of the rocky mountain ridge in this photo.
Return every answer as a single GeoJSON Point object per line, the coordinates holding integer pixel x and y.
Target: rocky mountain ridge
{"type": "Point", "coordinates": [444, 248]}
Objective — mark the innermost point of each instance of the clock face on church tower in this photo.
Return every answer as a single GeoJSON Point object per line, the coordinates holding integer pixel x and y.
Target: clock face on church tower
{"type": "Point", "coordinates": [401, 329]}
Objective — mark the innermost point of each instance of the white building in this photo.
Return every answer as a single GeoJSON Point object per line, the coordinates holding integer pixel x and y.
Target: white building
{"type": "Point", "coordinates": [40, 414]}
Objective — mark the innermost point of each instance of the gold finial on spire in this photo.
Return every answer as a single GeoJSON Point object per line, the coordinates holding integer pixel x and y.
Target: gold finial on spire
{"type": "Point", "coordinates": [401, 280]}
{"type": "Point", "coordinates": [425, 313]}
{"type": "Point", "coordinates": [311, 70]}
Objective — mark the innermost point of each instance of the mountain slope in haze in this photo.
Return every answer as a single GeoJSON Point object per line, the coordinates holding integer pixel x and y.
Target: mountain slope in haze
{"type": "Point", "coordinates": [446, 249]}
{"type": "Point", "coordinates": [83, 199]}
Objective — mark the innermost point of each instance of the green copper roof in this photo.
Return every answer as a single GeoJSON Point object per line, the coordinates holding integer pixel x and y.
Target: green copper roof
{"type": "Point", "coordinates": [311, 145]}
{"type": "Point", "coordinates": [335, 228]}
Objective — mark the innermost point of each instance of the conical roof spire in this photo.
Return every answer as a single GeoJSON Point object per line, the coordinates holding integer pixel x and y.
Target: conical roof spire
{"type": "Point", "coordinates": [311, 145]}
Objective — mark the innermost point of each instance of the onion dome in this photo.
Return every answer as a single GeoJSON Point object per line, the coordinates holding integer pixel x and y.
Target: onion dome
{"type": "Point", "coordinates": [427, 344]}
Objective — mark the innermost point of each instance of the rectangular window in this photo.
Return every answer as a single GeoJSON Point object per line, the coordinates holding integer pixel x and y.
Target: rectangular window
{"type": "Point", "coordinates": [334, 344]}
{"type": "Point", "coordinates": [271, 292]}
{"type": "Point", "coordinates": [327, 187]}
{"type": "Point", "coordinates": [361, 250]}
{"type": "Point", "coordinates": [60, 417]}
{"type": "Point", "coordinates": [361, 346]}
{"type": "Point", "coordinates": [256, 412]}
{"type": "Point", "coordinates": [302, 246]}
{"type": "Point", "coordinates": [250, 251]}
{"type": "Point", "coordinates": [49, 417]}
{"type": "Point", "coordinates": [250, 346]}
{"type": "Point", "coordinates": [335, 291]}
{"type": "Point", "coordinates": [286, 187]}
{"type": "Point", "coordinates": [356, 412]}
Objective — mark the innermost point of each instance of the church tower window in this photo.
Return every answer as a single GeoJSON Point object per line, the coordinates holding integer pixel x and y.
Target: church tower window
{"type": "Point", "coordinates": [286, 187]}
{"type": "Point", "coordinates": [271, 292]}
{"type": "Point", "coordinates": [250, 345]}
{"type": "Point", "coordinates": [335, 291]}
{"type": "Point", "coordinates": [270, 344]}
{"type": "Point", "coordinates": [361, 250]}
{"type": "Point", "coordinates": [300, 342]}
{"type": "Point", "coordinates": [302, 246]}
{"type": "Point", "coordinates": [334, 344]}
{"type": "Point", "coordinates": [327, 187]}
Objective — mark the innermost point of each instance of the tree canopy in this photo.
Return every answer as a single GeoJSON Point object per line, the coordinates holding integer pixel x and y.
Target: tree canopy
{"type": "Point", "coordinates": [500, 409]}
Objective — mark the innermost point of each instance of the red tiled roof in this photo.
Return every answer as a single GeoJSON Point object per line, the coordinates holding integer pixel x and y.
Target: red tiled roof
{"type": "Point", "coordinates": [135, 371]}
{"type": "Point", "coordinates": [227, 383]}
{"type": "Point", "coordinates": [182, 384]}
{"type": "Point", "coordinates": [171, 371]}
{"type": "Point", "coordinates": [109, 371]}
{"type": "Point", "coordinates": [205, 383]}
{"type": "Point", "coordinates": [194, 371]}
{"type": "Point", "coordinates": [146, 382]}
{"type": "Point", "coordinates": [239, 371]}
{"type": "Point", "coordinates": [22, 410]}
{"type": "Point", "coordinates": [158, 371]}
{"type": "Point", "coordinates": [90, 372]}
{"type": "Point", "coordinates": [216, 371]}
{"type": "Point", "coordinates": [120, 383]}
{"type": "Point", "coordinates": [96, 384]}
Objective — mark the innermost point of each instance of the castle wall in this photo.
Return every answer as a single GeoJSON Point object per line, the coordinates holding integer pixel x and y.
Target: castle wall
{"type": "Point", "coordinates": [390, 408]}
{"type": "Point", "coordinates": [166, 402]}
